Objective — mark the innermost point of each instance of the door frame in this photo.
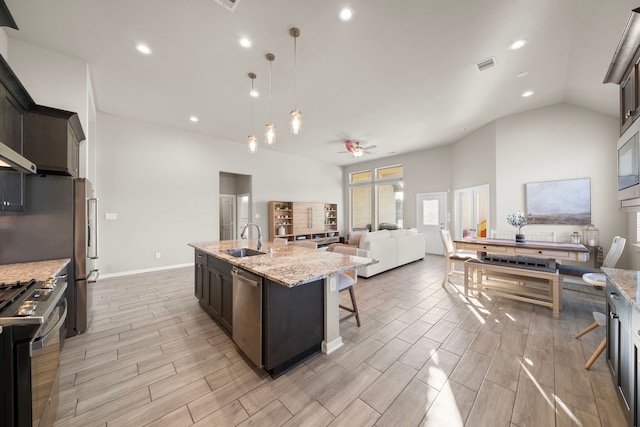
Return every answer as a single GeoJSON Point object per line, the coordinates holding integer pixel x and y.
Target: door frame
{"type": "Point", "coordinates": [234, 214]}
{"type": "Point", "coordinates": [445, 213]}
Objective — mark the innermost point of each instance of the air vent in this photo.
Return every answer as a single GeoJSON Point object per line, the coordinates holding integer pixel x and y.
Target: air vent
{"type": "Point", "coordinates": [486, 64]}
{"type": "Point", "coordinates": [228, 4]}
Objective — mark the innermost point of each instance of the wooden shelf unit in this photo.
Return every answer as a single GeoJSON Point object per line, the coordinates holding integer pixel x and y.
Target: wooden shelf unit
{"type": "Point", "coordinates": [304, 220]}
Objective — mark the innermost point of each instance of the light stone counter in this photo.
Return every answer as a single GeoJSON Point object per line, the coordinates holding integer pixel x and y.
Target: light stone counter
{"type": "Point", "coordinates": [288, 265]}
{"type": "Point", "coordinates": [627, 281]}
{"type": "Point", "coordinates": [25, 271]}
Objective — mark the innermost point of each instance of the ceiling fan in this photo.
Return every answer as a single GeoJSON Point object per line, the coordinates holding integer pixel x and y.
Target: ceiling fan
{"type": "Point", "coordinates": [356, 149]}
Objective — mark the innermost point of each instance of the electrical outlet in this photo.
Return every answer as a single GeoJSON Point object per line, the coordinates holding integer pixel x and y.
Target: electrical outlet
{"type": "Point", "coordinates": [158, 254]}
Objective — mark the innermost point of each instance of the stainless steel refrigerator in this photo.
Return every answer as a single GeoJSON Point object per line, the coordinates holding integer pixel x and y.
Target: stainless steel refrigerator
{"type": "Point", "coordinates": [56, 224]}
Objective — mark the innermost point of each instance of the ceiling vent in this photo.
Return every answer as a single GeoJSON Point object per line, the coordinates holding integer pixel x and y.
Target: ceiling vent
{"type": "Point", "coordinates": [228, 4]}
{"type": "Point", "coordinates": [486, 64]}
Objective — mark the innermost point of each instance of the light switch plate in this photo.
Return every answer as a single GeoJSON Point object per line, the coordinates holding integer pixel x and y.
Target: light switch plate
{"type": "Point", "coordinates": [111, 216]}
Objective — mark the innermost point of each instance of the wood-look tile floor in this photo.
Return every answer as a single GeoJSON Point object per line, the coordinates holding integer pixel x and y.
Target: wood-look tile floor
{"type": "Point", "coordinates": [425, 355]}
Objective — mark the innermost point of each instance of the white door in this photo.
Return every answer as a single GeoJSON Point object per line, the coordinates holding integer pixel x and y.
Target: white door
{"type": "Point", "coordinates": [227, 216]}
{"type": "Point", "coordinates": [472, 212]}
{"type": "Point", "coordinates": [243, 212]}
{"type": "Point", "coordinates": [430, 219]}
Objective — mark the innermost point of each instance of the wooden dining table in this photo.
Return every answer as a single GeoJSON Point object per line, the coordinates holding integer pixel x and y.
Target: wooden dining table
{"type": "Point", "coordinates": [527, 271]}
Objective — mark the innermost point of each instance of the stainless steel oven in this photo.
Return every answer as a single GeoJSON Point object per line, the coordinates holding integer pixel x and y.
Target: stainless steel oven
{"type": "Point", "coordinates": [44, 351]}
{"type": "Point", "coordinates": [31, 333]}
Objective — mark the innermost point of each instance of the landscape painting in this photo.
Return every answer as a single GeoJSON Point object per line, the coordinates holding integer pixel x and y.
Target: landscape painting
{"type": "Point", "coordinates": [566, 202]}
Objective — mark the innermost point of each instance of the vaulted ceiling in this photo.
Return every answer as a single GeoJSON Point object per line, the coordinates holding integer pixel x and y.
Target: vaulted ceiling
{"type": "Point", "coordinates": [400, 75]}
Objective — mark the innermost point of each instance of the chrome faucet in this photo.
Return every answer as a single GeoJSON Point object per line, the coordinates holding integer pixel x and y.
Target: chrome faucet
{"type": "Point", "coordinates": [243, 235]}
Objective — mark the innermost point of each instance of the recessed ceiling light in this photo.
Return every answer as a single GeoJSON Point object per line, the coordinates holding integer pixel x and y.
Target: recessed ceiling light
{"type": "Point", "coordinates": [254, 93]}
{"type": "Point", "coordinates": [245, 42]}
{"type": "Point", "coordinates": [517, 44]}
{"type": "Point", "coordinates": [194, 119]}
{"type": "Point", "coordinates": [143, 48]}
{"type": "Point", "coordinates": [527, 93]}
{"type": "Point", "coordinates": [346, 14]}
{"type": "Point", "coordinates": [522, 74]}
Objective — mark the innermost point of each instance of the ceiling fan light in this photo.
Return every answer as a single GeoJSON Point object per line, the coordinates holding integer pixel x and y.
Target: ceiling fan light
{"type": "Point", "coordinates": [358, 153]}
{"type": "Point", "coordinates": [270, 134]}
{"type": "Point", "coordinates": [296, 122]}
{"type": "Point", "coordinates": [253, 144]}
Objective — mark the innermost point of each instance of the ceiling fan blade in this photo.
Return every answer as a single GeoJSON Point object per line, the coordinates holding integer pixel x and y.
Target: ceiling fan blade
{"type": "Point", "coordinates": [370, 147]}
{"type": "Point", "coordinates": [349, 145]}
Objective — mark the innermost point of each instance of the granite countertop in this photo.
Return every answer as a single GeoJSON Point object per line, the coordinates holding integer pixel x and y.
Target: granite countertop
{"type": "Point", "coordinates": [25, 271]}
{"type": "Point", "coordinates": [287, 265]}
{"type": "Point", "coordinates": [627, 281]}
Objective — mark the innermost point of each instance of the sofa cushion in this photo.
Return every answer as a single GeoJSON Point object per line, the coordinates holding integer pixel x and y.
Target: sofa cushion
{"type": "Point", "coordinates": [398, 233]}
{"type": "Point", "coordinates": [355, 236]}
{"type": "Point", "coordinates": [370, 237]}
{"type": "Point", "coordinates": [412, 231]}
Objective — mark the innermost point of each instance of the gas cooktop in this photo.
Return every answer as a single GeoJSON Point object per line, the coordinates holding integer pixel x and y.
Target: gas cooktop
{"type": "Point", "coordinates": [28, 301]}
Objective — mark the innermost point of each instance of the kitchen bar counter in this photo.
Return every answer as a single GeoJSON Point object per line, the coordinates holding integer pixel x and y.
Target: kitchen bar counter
{"type": "Point", "coordinates": [291, 266]}
{"type": "Point", "coordinates": [288, 265]}
{"type": "Point", "coordinates": [25, 271]}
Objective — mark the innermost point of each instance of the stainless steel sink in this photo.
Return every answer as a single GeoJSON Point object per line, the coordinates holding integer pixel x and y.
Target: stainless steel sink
{"type": "Point", "coordinates": [241, 252]}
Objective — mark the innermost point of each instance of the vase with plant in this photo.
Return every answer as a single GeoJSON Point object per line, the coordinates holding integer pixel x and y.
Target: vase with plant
{"type": "Point", "coordinates": [518, 220]}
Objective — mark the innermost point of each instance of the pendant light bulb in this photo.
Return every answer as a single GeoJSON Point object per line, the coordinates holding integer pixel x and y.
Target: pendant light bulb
{"type": "Point", "coordinates": [296, 115]}
{"type": "Point", "coordinates": [296, 122]}
{"type": "Point", "coordinates": [270, 128]}
{"type": "Point", "coordinates": [270, 134]}
{"type": "Point", "coordinates": [253, 144]}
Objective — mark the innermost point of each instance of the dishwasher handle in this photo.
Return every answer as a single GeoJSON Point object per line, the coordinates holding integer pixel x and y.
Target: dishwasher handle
{"type": "Point", "coordinates": [245, 277]}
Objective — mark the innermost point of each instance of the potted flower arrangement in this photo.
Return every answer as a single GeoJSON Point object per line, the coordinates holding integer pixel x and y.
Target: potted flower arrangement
{"type": "Point", "coordinates": [518, 220]}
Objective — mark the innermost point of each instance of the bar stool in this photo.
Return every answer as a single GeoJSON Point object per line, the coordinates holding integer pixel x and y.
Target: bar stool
{"type": "Point", "coordinates": [600, 319]}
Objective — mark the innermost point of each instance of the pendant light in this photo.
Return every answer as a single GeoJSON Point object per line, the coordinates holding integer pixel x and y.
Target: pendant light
{"type": "Point", "coordinates": [296, 115]}
{"type": "Point", "coordinates": [270, 128]}
{"type": "Point", "coordinates": [253, 143]}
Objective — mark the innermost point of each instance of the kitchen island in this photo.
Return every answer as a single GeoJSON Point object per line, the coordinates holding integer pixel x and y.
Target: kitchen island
{"type": "Point", "coordinates": [300, 312]}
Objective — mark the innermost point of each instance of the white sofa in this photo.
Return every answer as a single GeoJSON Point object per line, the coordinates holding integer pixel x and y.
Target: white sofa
{"type": "Point", "coordinates": [391, 248]}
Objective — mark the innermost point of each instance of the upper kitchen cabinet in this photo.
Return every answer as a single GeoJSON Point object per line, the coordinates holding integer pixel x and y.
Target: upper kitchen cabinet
{"type": "Point", "coordinates": [14, 101]}
{"type": "Point", "coordinates": [52, 140]}
{"type": "Point", "coordinates": [624, 70]}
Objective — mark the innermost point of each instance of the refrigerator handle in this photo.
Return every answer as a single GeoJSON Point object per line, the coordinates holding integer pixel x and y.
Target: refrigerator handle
{"type": "Point", "coordinates": [92, 228]}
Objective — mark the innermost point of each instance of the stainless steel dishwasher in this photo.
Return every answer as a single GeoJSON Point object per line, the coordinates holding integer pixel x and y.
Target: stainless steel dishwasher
{"type": "Point", "coordinates": [247, 314]}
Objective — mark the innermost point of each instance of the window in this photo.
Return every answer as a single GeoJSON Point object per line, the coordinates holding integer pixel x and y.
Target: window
{"type": "Point", "coordinates": [377, 203]}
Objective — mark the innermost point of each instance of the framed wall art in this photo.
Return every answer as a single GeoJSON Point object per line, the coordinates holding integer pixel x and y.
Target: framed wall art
{"type": "Point", "coordinates": [566, 202]}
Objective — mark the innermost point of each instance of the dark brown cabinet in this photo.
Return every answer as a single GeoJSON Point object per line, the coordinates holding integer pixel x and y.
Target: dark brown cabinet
{"type": "Point", "coordinates": [214, 288]}
{"type": "Point", "coordinates": [52, 140]}
{"type": "Point", "coordinates": [11, 125]}
{"type": "Point", "coordinates": [620, 350]}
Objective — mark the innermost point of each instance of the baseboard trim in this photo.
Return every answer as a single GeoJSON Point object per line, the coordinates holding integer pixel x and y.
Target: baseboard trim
{"type": "Point", "coordinates": [330, 347]}
{"type": "Point", "coordinates": [145, 270]}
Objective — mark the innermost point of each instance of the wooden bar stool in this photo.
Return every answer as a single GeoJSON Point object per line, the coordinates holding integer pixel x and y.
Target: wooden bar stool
{"type": "Point", "coordinates": [595, 279]}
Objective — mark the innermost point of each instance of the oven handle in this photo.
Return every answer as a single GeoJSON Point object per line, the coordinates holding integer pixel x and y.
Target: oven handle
{"type": "Point", "coordinates": [39, 342]}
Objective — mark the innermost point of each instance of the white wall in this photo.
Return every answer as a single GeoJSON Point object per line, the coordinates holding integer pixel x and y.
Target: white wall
{"type": "Point", "coordinates": [554, 143]}
{"type": "Point", "coordinates": [163, 185]}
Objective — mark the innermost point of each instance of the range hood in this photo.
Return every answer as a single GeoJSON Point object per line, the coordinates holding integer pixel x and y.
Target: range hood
{"type": "Point", "coordinates": [11, 160]}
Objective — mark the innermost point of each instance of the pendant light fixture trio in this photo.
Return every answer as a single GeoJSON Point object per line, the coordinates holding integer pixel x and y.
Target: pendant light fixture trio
{"type": "Point", "coordinates": [296, 114]}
